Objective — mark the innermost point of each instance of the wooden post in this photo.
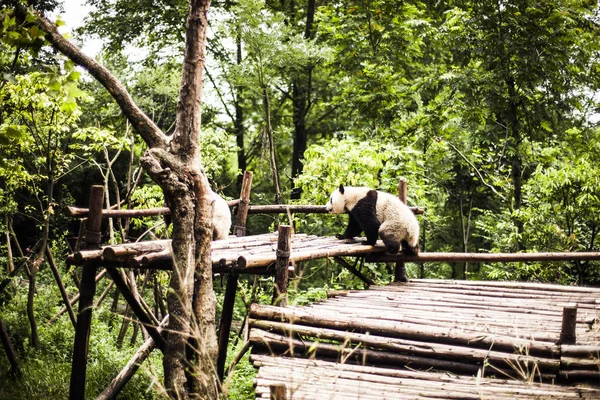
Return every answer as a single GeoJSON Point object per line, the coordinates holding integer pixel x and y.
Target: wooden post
{"type": "Point", "coordinates": [239, 229]}
{"type": "Point", "coordinates": [86, 302]}
{"type": "Point", "coordinates": [278, 391]}
{"type": "Point", "coordinates": [225, 324]}
{"type": "Point", "coordinates": [569, 323]}
{"type": "Point", "coordinates": [61, 286]}
{"type": "Point", "coordinates": [15, 369]}
{"type": "Point", "coordinates": [281, 266]}
{"type": "Point", "coordinates": [400, 271]}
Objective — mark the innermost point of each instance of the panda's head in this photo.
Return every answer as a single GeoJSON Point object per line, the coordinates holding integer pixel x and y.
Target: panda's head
{"type": "Point", "coordinates": [337, 201]}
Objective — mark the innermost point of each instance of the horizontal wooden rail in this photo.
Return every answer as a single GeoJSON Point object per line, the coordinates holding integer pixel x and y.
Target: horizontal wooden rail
{"type": "Point", "coordinates": [486, 257]}
{"type": "Point", "coordinates": [77, 212]}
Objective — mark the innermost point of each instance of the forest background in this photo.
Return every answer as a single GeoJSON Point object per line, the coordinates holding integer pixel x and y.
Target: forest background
{"type": "Point", "coordinates": [488, 108]}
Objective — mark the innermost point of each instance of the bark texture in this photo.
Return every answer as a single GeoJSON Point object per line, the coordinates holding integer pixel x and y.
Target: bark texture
{"type": "Point", "coordinates": [174, 164]}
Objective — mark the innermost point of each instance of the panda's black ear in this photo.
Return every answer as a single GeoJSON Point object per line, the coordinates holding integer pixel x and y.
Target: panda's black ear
{"type": "Point", "coordinates": [341, 189]}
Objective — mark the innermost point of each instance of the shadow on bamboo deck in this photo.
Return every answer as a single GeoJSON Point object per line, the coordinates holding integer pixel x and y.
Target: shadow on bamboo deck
{"type": "Point", "coordinates": [431, 338]}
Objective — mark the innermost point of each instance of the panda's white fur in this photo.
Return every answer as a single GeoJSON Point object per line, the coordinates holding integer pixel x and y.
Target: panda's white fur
{"type": "Point", "coordinates": [221, 219]}
{"type": "Point", "coordinates": [377, 213]}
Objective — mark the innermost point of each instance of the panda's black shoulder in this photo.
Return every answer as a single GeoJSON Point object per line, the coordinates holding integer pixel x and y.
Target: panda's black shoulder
{"type": "Point", "coordinates": [368, 203]}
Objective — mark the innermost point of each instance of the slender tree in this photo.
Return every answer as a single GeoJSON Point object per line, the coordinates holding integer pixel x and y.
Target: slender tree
{"type": "Point", "coordinates": [174, 164]}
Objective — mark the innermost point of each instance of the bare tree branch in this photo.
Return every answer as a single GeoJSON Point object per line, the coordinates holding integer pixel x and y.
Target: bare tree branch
{"type": "Point", "coordinates": [151, 134]}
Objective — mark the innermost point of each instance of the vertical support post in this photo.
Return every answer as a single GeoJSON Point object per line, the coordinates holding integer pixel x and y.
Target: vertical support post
{"type": "Point", "coordinates": [569, 323]}
{"type": "Point", "coordinates": [239, 229]}
{"type": "Point", "coordinates": [281, 266]}
{"type": "Point", "coordinates": [400, 271]}
{"type": "Point", "coordinates": [225, 324]}
{"type": "Point", "coordinates": [87, 291]}
{"type": "Point", "coordinates": [278, 391]}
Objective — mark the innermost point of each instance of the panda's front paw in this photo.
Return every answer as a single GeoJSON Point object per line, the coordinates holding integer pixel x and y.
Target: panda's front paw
{"type": "Point", "coordinates": [341, 236]}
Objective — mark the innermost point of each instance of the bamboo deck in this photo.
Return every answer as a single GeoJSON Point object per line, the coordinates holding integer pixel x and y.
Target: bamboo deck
{"type": "Point", "coordinates": [246, 252]}
{"type": "Point", "coordinates": [316, 379]}
{"type": "Point", "coordinates": [495, 329]}
{"type": "Point", "coordinates": [260, 251]}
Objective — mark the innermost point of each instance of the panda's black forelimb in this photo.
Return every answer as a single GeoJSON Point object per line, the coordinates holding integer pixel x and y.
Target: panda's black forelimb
{"type": "Point", "coordinates": [364, 216]}
{"type": "Point", "coordinates": [353, 229]}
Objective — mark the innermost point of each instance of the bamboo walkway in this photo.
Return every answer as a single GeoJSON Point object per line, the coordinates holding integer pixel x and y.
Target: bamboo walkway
{"type": "Point", "coordinates": [240, 253]}
{"type": "Point", "coordinates": [366, 344]}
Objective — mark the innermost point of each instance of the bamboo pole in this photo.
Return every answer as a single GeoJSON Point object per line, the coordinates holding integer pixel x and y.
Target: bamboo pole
{"type": "Point", "coordinates": [239, 229]}
{"type": "Point", "coordinates": [422, 379]}
{"type": "Point", "coordinates": [77, 212]}
{"type": "Point", "coordinates": [225, 322]}
{"type": "Point", "coordinates": [87, 290]}
{"type": "Point", "coordinates": [279, 344]}
{"type": "Point", "coordinates": [400, 270]}
{"type": "Point", "coordinates": [569, 323]}
{"type": "Point", "coordinates": [487, 257]}
{"type": "Point", "coordinates": [281, 266]}
{"type": "Point", "coordinates": [278, 391]}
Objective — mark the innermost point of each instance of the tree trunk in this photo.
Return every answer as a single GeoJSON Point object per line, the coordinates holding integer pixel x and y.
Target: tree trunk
{"type": "Point", "coordinates": [174, 164]}
{"type": "Point", "coordinates": [238, 123]}
{"type": "Point", "coordinates": [300, 94]}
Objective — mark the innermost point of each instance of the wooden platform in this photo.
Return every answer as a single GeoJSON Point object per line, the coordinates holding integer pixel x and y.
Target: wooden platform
{"type": "Point", "coordinates": [494, 329]}
{"type": "Point", "coordinates": [240, 253]}
{"type": "Point", "coordinates": [316, 379]}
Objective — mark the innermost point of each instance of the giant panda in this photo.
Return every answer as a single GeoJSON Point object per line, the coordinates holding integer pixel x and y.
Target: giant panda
{"type": "Point", "coordinates": [377, 214]}
{"type": "Point", "coordinates": [221, 219]}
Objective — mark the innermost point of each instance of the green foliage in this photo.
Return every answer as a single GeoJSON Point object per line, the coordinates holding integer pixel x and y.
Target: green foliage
{"type": "Point", "coordinates": [46, 372]}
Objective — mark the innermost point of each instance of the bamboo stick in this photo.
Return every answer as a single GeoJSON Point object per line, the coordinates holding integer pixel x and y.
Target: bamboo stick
{"type": "Point", "coordinates": [239, 228]}
{"type": "Point", "coordinates": [281, 266]}
{"type": "Point", "coordinates": [87, 290]}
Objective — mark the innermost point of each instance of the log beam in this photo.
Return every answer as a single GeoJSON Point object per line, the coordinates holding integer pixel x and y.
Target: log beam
{"type": "Point", "coordinates": [281, 266]}
{"type": "Point", "coordinates": [86, 302]}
